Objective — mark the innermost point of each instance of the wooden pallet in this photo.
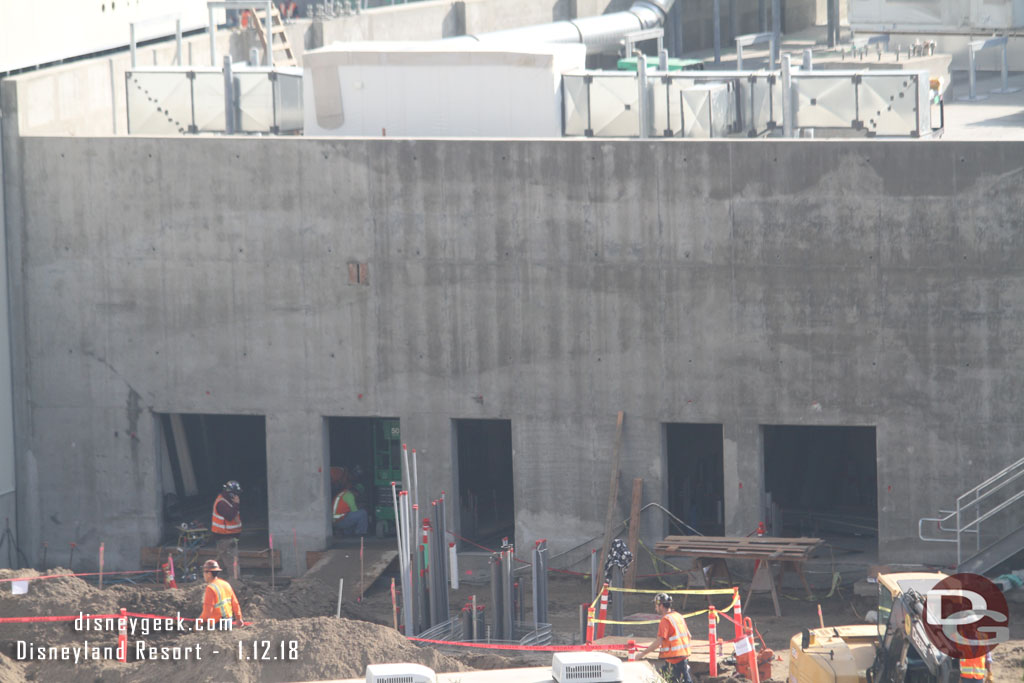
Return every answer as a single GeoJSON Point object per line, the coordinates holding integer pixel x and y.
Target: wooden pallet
{"type": "Point", "coordinates": [740, 548]}
{"type": "Point", "coordinates": [283, 55]}
{"type": "Point", "coordinates": [154, 556]}
{"type": "Point", "coordinates": [786, 553]}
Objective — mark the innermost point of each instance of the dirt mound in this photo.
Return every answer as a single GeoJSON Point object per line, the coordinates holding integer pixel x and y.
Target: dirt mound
{"type": "Point", "coordinates": [10, 671]}
{"type": "Point", "coordinates": [292, 646]}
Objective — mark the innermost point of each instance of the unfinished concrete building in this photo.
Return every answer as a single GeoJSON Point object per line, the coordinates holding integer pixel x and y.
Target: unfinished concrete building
{"type": "Point", "coordinates": [831, 326]}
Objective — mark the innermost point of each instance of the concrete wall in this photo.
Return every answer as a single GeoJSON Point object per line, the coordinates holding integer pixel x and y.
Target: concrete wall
{"type": "Point", "coordinates": [551, 283]}
{"type": "Point", "coordinates": [8, 499]}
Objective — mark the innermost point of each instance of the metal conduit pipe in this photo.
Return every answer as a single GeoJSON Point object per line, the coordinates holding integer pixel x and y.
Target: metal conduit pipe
{"type": "Point", "coordinates": [600, 34]}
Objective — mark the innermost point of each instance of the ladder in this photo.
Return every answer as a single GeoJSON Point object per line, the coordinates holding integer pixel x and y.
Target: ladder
{"type": "Point", "coordinates": [962, 525]}
{"type": "Point", "coordinates": [282, 49]}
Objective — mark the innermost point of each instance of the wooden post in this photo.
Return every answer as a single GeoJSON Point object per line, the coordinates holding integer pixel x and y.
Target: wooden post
{"type": "Point", "coordinates": [613, 493]}
{"type": "Point", "coordinates": [394, 604]}
{"type": "Point", "coordinates": [634, 530]}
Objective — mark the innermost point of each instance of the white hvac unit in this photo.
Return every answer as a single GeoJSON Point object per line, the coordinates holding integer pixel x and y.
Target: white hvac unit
{"type": "Point", "coordinates": [399, 673]}
{"type": "Point", "coordinates": [585, 667]}
{"type": "Point", "coordinates": [705, 110]}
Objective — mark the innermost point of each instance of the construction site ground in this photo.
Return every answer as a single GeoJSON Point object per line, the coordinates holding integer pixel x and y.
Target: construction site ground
{"type": "Point", "coordinates": [294, 635]}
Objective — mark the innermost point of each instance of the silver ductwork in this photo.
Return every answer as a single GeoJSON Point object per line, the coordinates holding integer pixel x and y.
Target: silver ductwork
{"type": "Point", "coordinates": [600, 34]}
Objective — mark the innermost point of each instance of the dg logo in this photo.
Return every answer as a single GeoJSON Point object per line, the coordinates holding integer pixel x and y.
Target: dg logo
{"type": "Point", "coordinates": [966, 616]}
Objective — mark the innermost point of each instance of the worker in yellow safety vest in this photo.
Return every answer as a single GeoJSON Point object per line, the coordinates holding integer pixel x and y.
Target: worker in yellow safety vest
{"type": "Point", "coordinates": [672, 643]}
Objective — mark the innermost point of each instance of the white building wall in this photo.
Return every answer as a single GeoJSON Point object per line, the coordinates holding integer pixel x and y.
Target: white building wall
{"type": "Point", "coordinates": [930, 15]}
{"type": "Point", "coordinates": [34, 33]}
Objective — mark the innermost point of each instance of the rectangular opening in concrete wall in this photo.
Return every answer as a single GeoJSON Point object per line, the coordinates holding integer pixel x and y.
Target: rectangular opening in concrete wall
{"type": "Point", "coordinates": [695, 477]}
{"type": "Point", "coordinates": [200, 453]}
{"type": "Point", "coordinates": [483, 452]}
{"type": "Point", "coordinates": [365, 457]}
{"type": "Point", "coordinates": [822, 482]}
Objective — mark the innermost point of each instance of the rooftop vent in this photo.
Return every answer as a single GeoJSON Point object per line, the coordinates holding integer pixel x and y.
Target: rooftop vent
{"type": "Point", "coordinates": [585, 667]}
{"type": "Point", "coordinates": [399, 673]}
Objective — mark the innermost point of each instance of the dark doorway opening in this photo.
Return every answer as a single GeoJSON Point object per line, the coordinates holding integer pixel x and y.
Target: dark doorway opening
{"type": "Point", "coordinates": [369, 451]}
{"type": "Point", "coordinates": [200, 454]}
{"type": "Point", "coordinates": [484, 470]}
{"type": "Point", "coordinates": [695, 477]}
{"type": "Point", "coordinates": [822, 482]}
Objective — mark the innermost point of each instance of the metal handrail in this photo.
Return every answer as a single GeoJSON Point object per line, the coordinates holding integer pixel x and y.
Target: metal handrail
{"type": "Point", "coordinates": [968, 514]}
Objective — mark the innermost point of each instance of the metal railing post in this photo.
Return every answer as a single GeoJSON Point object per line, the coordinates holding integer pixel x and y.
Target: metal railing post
{"type": "Point", "coordinates": [971, 76]}
{"type": "Point", "coordinates": [229, 97]}
{"type": "Point", "coordinates": [177, 39]}
{"type": "Point", "coordinates": [808, 65]}
{"type": "Point", "coordinates": [751, 39]}
{"type": "Point", "coordinates": [1004, 72]}
{"type": "Point", "coordinates": [269, 33]}
{"type": "Point", "coordinates": [643, 108]}
{"type": "Point", "coordinates": [717, 20]}
{"type": "Point", "coordinates": [787, 97]}
{"type": "Point", "coordinates": [131, 38]}
{"type": "Point", "coordinates": [213, 40]}
{"type": "Point", "coordinates": [776, 30]}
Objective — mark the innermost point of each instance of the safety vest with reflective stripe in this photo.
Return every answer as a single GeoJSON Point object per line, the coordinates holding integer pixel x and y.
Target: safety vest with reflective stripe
{"type": "Point", "coordinates": [973, 668]}
{"type": "Point", "coordinates": [219, 525]}
{"type": "Point", "coordinates": [341, 506]}
{"type": "Point", "coordinates": [223, 597]}
{"type": "Point", "coordinates": [677, 644]}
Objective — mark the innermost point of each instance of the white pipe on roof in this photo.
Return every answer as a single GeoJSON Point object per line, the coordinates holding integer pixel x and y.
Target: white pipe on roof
{"type": "Point", "coordinates": [600, 34]}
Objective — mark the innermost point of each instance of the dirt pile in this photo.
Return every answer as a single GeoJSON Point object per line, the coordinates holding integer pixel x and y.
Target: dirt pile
{"type": "Point", "coordinates": [294, 646]}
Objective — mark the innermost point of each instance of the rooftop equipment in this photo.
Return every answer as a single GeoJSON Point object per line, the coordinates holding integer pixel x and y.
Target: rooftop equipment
{"type": "Point", "coordinates": [601, 34]}
{"type": "Point", "coordinates": [585, 667]}
{"type": "Point", "coordinates": [399, 673]}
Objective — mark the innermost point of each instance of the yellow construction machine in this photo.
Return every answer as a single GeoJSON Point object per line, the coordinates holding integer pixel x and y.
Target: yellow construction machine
{"type": "Point", "coordinates": [896, 649]}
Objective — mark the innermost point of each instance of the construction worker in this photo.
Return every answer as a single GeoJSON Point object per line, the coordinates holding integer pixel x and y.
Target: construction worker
{"type": "Point", "coordinates": [219, 601]}
{"type": "Point", "coordinates": [348, 518]}
{"type": "Point", "coordinates": [973, 669]}
{"type": "Point", "coordinates": [226, 522]}
{"type": "Point", "coordinates": [672, 643]}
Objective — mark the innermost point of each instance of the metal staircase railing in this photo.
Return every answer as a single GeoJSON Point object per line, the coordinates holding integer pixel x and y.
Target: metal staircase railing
{"type": "Point", "coordinates": [963, 523]}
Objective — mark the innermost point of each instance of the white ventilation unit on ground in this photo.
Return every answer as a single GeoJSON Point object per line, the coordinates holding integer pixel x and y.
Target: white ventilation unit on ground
{"type": "Point", "coordinates": [399, 673]}
{"type": "Point", "coordinates": [585, 667]}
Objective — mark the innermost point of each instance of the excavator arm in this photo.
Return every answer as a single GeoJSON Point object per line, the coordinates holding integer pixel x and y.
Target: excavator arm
{"type": "Point", "coordinates": [905, 654]}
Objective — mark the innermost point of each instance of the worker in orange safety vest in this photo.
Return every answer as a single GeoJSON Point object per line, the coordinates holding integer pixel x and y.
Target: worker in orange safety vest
{"type": "Point", "coordinates": [219, 601]}
{"type": "Point", "coordinates": [347, 517]}
{"type": "Point", "coordinates": [226, 522]}
{"type": "Point", "coordinates": [973, 669]}
{"type": "Point", "coordinates": [672, 643]}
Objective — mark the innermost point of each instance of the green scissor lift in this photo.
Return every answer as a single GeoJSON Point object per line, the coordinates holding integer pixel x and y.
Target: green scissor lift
{"type": "Point", "coordinates": [387, 467]}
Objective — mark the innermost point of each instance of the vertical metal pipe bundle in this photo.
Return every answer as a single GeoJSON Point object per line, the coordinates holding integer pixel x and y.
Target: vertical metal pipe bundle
{"type": "Point", "coordinates": [540, 583]}
{"type": "Point", "coordinates": [496, 594]}
{"type": "Point", "coordinates": [508, 603]}
{"type": "Point", "coordinates": [442, 550]}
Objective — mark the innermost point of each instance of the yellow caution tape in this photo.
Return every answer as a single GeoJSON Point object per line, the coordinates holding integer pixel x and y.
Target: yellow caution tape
{"type": "Point", "coordinates": [655, 621]}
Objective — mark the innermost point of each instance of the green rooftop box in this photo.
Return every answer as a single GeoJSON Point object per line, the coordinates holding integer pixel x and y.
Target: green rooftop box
{"type": "Point", "coordinates": [674, 64]}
